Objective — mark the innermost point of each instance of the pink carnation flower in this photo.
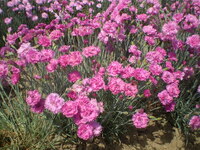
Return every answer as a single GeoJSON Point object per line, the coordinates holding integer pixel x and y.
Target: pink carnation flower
{"type": "Point", "coordinates": [3, 70]}
{"type": "Point", "coordinates": [39, 107]}
{"type": "Point", "coordinates": [149, 30]}
{"type": "Point", "coordinates": [154, 57]}
{"type": "Point", "coordinates": [97, 83]}
{"type": "Point", "coordinates": [33, 98]}
{"type": "Point", "coordinates": [190, 22]}
{"type": "Point", "coordinates": [170, 107]}
{"type": "Point", "coordinates": [54, 103]}
{"type": "Point", "coordinates": [97, 128]}
{"type": "Point", "coordinates": [85, 131]}
{"type": "Point", "coordinates": [8, 20]}
{"type": "Point", "coordinates": [91, 51]}
{"type": "Point", "coordinates": [44, 41]}
{"type": "Point", "coordinates": [173, 90]}
{"type": "Point", "coordinates": [171, 28]}
{"type": "Point", "coordinates": [134, 50]}
{"type": "Point", "coordinates": [64, 48]}
{"type": "Point", "coordinates": [194, 41]}
{"type": "Point", "coordinates": [130, 90]}
{"type": "Point", "coordinates": [165, 98]}
{"type": "Point", "coordinates": [168, 77]}
{"type": "Point", "coordinates": [33, 56]}
{"type": "Point", "coordinates": [70, 109]}
{"type": "Point", "coordinates": [56, 34]}
{"type": "Point", "coordinates": [116, 85]}
{"type": "Point", "coordinates": [74, 76]}
{"type": "Point", "coordinates": [127, 72]}
{"type": "Point", "coordinates": [155, 69]}
{"type": "Point", "coordinates": [75, 58]}
{"type": "Point", "coordinates": [88, 112]}
{"type": "Point", "coordinates": [141, 74]}
{"type": "Point", "coordinates": [47, 55]}
{"type": "Point", "coordinates": [142, 17]}
{"type": "Point", "coordinates": [195, 122]}
{"type": "Point", "coordinates": [147, 93]}
{"type": "Point", "coordinates": [52, 66]}
{"type": "Point", "coordinates": [64, 60]}
{"type": "Point", "coordinates": [114, 68]}
{"type": "Point", "coordinates": [140, 120]}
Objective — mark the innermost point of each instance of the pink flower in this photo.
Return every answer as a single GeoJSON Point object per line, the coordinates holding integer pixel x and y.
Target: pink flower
{"type": "Point", "coordinates": [54, 103]}
{"type": "Point", "coordinates": [15, 77]}
{"type": "Point", "coordinates": [3, 70]}
{"type": "Point", "coordinates": [141, 74]}
{"type": "Point", "coordinates": [168, 77]}
{"type": "Point", "coordinates": [194, 41]}
{"type": "Point", "coordinates": [116, 85]}
{"type": "Point", "coordinates": [190, 22]}
{"type": "Point", "coordinates": [52, 66]}
{"type": "Point", "coordinates": [154, 57]}
{"type": "Point", "coordinates": [82, 31]}
{"type": "Point", "coordinates": [8, 20]}
{"type": "Point", "coordinates": [114, 68]}
{"type": "Point", "coordinates": [70, 109]}
{"type": "Point", "coordinates": [97, 128]}
{"type": "Point", "coordinates": [173, 90]}
{"type": "Point", "coordinates": [64, 60]}
{"type": "Point", "coordinates": [134, 50]}
{"type": "Point", "coordinates": [33, 56]}
{"type": "Point", "coordinates": [75, 58]}
{"type": "Point", "coordinates": [91, 51]}
{"type": "Point", "coordinates": [171, 28]}
{"type": "Point", "coordinates": [149, 30]}
{"type": "Point", "coordinates": [178, 17]}
{"type": "Point", "coordinates": [147, 93]}
{"type": "Point", "coordinates": [47, 55]}
{"type": "Point", "coordinates": [11, 38]}
{"type": "Point", "coordinates": [179, 75]}
{"type": "Point", "coordinates": [164, 97]}
{"type": "Point", "coordinates": [88, 112]}
{"type": "Point", "coordinates": [130, 90]}
{"type": "Point", "coordinates": [85, 131]}
{"type": "Point", "coordinates": [34, 18]}
{"type": "Point", "coordinates": [44, 41]}
{"type": "Point", "coordinates": [45, 15]}
{"type": "Point", "coordinates": [140, 120]}
{"type": "Point", "coordinates": [39, 107]}
{"type": "Point", "coordinates": [97, 83]}
{"type": "Point", "coordinates": [74, 76]}
{"type": "Point", "coordinates": [64, 48]}
{"type": "Point", "coordinates": [170, 107]}
{"type": "Point", "coordinates": [55, 34]}
{"type": "Point", "coordinates": [155, 69]}
{"type": "Point", "coordinates": [150, 40]}
{"type": "Point", "coordinates": [142, 17]}
{"type": "Point", "coordinates": [127, 72]}
{"type": "Point", "coordinates": [195, 122]}
{"type": "Point", "coordinates": [23, 49]}
{"type": "Point", "coordinates": [33, 98]}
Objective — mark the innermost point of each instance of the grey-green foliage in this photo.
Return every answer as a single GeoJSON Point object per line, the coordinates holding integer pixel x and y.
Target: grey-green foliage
{"type": "Point", "coordinates": [186, 104]}
{"type": "Point", "coordinates": [19, 128]}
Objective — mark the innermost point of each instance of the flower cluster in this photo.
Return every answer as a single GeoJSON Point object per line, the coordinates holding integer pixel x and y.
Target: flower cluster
{"type": "Point", "coordinates": [126, 55]}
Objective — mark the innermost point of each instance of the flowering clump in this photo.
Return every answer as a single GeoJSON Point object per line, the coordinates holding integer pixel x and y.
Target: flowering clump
{"type": "Point", "coordinates": [195, 122]}
{"type": "Point", "coordinates": [97, 62]}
